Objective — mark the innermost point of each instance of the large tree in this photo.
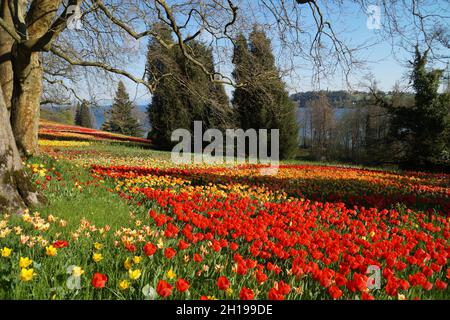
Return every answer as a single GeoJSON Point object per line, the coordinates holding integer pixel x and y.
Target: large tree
{"type": "Point", "coordinates": [25, 30]}
{"type": "Point", "coordinates": [263, 103]}
{"type": "Point", "coordinates": [166, 111]}
{"type": "Point", "coordinates": [83, 115]}
{"type": "Point", "coordinates": [184, 93]}
{"type": "Point", "coordinates": [16, 191]}
{"type": "Point", "coordinates": [206, 101]}
{"type": "Point", "coordinates": [422, 128]}
{"type": "Point", "coordinates": [323, 122]}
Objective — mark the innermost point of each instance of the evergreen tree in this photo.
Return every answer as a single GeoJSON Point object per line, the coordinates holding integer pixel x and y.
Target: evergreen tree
{"type": "Point", "coordinates": [206, 101]}
{"type": "Point", "coordinates": [119, 117]}
{"type": "Point", "coordinates": [83, 116]}
{"type": "Point", "coordinates": [242, 75]}
{"type": "Point", "coordinates": [183, 93]}
{"type": "Point", "coordinates": [166, 111]}
{"type": "Point", "coordinates": [423, 128]}
{"type": "Point", "coordinates": [262, 101]}
{"type": "Point", "coordinates": [77, 118]}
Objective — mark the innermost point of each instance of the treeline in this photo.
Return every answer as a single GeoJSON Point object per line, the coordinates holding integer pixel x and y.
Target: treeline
{"type": "Point", "coordinates": [340, 99]}
{"type": "Point", "coordinates": [352, 134]}
{"type": "Point", "coordinates": [411, 130]}
{"type": "Point", "coordinates": [185, 94]}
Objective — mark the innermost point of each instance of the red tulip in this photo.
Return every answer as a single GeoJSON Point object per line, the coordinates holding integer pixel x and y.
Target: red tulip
{"type": "Point", "coordinates": [60, 244]}
{"type": "Point", "coordinates": [198, 258]}
{"type": "Point", "coordinates": [246, 294]}
{"type": "Point", "coordinates": [182, 285]}
{"type": "Point", "coordinates": [183, 245]}
{"type": "Point", "coordinates": [169, 253]}
{"type": "Point", "coordinates": [99, 280]}
{"type": "Point", "coordinates": [334, 292]}
{"type": "Point", "coordinates": [274, 294]}
{"type": "Point", "coordinates": [164, 289]}
{"type": "Point", "coordinates": [441, 285]}
{"type": "Point", "coordinates": [260, 277]}
{"type": "Point", "coordinates": [149, 249]}
{"type": "Point", "coordinates": [223, 283]}
{"type": "Point", "coordinates": [284, 288]}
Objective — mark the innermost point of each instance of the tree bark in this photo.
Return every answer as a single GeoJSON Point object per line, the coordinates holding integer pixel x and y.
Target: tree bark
{"type": "Point", "coordinates": [16, 190]}
{"type": "Point", "coordinates": [28, 73]}
{"type": "Point", "coordinates": [6, 42]}
{"type": "Point", "coordinates": [27, 91]}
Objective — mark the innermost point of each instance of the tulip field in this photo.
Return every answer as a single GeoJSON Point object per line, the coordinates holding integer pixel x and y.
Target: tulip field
{"type": "Point", "coordinates": [122, 222]}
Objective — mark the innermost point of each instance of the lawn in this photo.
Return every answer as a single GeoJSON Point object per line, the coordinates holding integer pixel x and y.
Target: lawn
{"type": "Point", "coordinates": [122, 222]}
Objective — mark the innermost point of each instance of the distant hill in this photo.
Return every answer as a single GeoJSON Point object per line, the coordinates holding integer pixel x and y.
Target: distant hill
{"type": "Point", "coordinates": [337, 99]}
{"type": "Point", "coordinates": [343, 99]}
{"type": "Point", "coordinates": [64, 115]}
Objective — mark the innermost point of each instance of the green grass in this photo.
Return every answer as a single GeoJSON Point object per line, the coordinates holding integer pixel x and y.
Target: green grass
{"type": "Point", "coordinates": [93, 202]}
{"type": "Point", "coordinates": [61, 116]}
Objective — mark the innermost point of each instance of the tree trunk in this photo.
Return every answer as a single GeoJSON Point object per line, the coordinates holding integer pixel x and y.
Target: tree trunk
{"type": "Point", "coordinates": [27, 91]}
{"type": "Point", "coordinates": [6, 42]}
{"type": "Point", "coordinates": [16, 191]}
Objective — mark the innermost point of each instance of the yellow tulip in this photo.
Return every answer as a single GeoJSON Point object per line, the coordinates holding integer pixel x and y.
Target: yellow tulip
{"type": "Point", "coordinates": [160, 243]}
{"type": "Point", "coordinates": [77, 271]}
{"type": "Point", "coordinates": [26, 274]}
{"type": "Point", "coordinates": [134, 274]}
{"type": "Point", "coordinates": [6, 252]}
{"type": "Point", "coordinates": [98, 246]}
{"type": "Point", "coordinates": [127, 264]}
{"type": "Point", "coordinates": [51, 251]}
{"type": "Point", "coordinates": [97, 257]}
{"type": "Point", "coordinates": [124, 284]}
{"type": "Point", "coordinates": [25, 262]}
{"type": "Point", "coordinates": [137, 259]}
{"type": "Point", "coordinates": [171, 274]}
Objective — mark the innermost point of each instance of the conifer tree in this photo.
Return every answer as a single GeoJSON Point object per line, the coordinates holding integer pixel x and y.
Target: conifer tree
{"type": "Point", "coordinates": [262, 101]}
{"type": "Point", "coordinates": [206, 101]}
{"type": "Point", "coordinates": [423, 128]}
{"type": "Point", "coordinates": [184, 93]}
{"type": "Point", "coordinates": [120, 118]}
{"type": "Point", "coordinates": [83, 116]}
{"type": "Point", "coordinates": [166, 111]}
{"type": "Point", "coordinates": [242, 76]}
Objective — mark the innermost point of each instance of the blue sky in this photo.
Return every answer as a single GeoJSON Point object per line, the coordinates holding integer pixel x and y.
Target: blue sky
{"type": "Point", "coordinates": [385, 63]}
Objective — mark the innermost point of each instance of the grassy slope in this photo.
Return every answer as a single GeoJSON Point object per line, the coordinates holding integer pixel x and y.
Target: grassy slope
{"type": "Point", "coordinates": [94, 203]}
